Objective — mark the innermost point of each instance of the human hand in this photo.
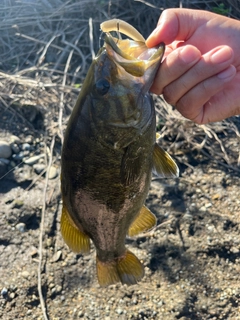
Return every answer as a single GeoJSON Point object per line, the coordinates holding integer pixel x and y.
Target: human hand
{"type": "Point", "coordinates": [200, 75]}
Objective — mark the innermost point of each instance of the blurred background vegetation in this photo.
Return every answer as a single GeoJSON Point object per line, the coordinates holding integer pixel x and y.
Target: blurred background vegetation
{"type": "Point", "coordinates": [46, 47]}
{"type": "Point", "coordinates": [43, 33]}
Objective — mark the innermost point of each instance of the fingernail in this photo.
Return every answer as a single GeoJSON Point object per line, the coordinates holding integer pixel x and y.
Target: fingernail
{"type": "Point", "coordinates": [221, 55]}
{"type": "Point", "coordinates": [227, 73]}
{"type": "Point", "coordinates": [189, 54]}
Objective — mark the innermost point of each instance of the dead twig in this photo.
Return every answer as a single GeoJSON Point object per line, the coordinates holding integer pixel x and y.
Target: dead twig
{"type": "Point", "coordinates": [40, 248]}
{"type": "Point", "coordinates": [91, 37]}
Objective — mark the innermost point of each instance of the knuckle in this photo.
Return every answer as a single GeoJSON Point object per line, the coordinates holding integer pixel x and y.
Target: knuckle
{"type": "Point", "coordinates": [189, 109]}
{"type": "Point", "coordinates": [168, 94]}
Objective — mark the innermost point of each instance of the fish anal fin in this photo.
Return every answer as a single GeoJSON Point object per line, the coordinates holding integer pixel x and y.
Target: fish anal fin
{"type": "Point", "coordinates": [163, 164]}
{"type": "Point", "coordinates": [144, 221]}
{"type": "Point", "coordinates": [76, 240]}
{"type": "Point", "coordinates": [127, 269]}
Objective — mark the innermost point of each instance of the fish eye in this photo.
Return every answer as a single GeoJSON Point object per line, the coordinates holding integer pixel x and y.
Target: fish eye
{"type": "Point", "coordinates": [102, 86]}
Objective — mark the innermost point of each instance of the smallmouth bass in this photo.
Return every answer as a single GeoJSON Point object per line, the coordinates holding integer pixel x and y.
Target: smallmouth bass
{"type": "Point", "coordinates": [109, 153]}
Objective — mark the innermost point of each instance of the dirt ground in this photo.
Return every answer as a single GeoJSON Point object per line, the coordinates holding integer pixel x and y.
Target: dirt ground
{"type": "Point", "coordinates": [191, 259]}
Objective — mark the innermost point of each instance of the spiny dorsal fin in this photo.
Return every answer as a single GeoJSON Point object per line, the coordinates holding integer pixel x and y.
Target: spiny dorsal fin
{"type": "Point", "coordinates": [163, 164]}
{"type": "Point", "coordinates": [74, 238]}
{"type": "Point", "coordinates": [144, 221]}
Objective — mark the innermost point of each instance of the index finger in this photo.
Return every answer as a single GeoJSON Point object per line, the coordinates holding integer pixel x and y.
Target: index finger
{"type": "Point", "coordinates": [177, 24]}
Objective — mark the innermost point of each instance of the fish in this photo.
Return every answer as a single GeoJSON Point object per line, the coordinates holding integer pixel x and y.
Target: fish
{"type": "Point", "coordinates": [109, 154]}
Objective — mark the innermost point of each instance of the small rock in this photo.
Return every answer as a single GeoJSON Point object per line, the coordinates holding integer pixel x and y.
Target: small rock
{"type": "Point", "coordinates": [57, 255]}
{"type": "Point", "coordinates": [32, 160]}
{"type": "Point", "coordinates": [15, 139]}
{"type": "Point", "coordinates": [80, 314]}
{"type": "Point", "coordinates": [5, 150]}
{"type": "Point", "coordinates": [39, 167]}
{"type": "Point", "coordinates": [119, 311]}
{"type": "Point", "coordinates": [15, 148]}
{"type": "Point", "coordinates": [3, 169]}
{"type": "Point", "coordinates": [216, 196]}
{"type": "Point", "coordinates": [29, 139]}
{"type": "Point", "coordinates": [17, 203]}
{"type": "Point", "coordinates": [18, 156]}
{"type": "Point", "coordinates": [58, 288]}
{"type": "Point", "coordinates": [208, 205]}
{"type": "Point", "coordinates": [203, 209]}
{"type": "Point", "coordinates": [4, 291]}
{"type": "Point", "coordinates": [49, 242]}
{"type": "Point", "coordinates": [25, 274]}
{"type": "Point", "coordinates": [13, 287]}
{"type": "Point", "coordinates": [53, 172]}
{"type": "Point", "coordinates": [12, 295]}
{"type": "Point", "coordinates": [234, 250]}
{"type": "Point", "coordinates": [26, 146]}
{"type": "Point", "coordinates": [4, 161]}
{"type": "Point", "coordinates": [21, 227]}
{"type": "Point", "coordinates": [33, 252]}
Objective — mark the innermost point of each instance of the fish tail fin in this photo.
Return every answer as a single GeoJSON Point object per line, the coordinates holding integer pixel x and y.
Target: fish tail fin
{"type": "Point", "coordinates": [107, 273]}
{"type": "Point", "coordinates": [73, 237]}
{"type": "Point", "coordinates": [129, 268]}
{"type": "Point", "coordinates": [126, 269]}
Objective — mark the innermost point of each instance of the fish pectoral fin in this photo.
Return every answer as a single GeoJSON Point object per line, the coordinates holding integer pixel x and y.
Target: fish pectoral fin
{"type": "Point", "coordinates": [144, 221]}
{"type": "Point", "coordinates": [163, 164]}
{"type": "Point", "coordinates": [76, 240]}
{"type": "Point", "coordinates": [127, 269]}
{"type": "Point", "coordinates": [130, 167]}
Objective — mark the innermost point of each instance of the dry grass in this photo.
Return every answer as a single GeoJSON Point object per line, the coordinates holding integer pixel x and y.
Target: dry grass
{"type": "Point", "coordinates": [46, 47]}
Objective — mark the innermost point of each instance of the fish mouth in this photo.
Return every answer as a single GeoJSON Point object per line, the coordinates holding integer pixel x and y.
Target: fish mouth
{"type": "Point", "coordinates": [134, 56]}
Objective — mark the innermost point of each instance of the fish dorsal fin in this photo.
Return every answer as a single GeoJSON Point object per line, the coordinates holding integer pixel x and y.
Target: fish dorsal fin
{"type": "Point", "coordinates": [74, 238]}
{"type": "Point", "coordinates": [144, 221]}
{"type": "Point", "coordinates": [163, 164]}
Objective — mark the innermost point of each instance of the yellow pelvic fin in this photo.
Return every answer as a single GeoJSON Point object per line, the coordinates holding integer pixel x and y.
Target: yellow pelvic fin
{"type": "Point", "coordinates": [74, 238]}
{"type": "Point", "coordinates": [127, 269]}
{"type": "Point", "coordinates": [163, 164]}
{"type": "Point", "coordinates": [145, 221]}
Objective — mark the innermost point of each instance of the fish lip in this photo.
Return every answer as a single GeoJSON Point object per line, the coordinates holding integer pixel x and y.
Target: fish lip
{"type": "Point", "coordinates": [148, 58]}
{"type": "Point", "coordinates": [157, 51]}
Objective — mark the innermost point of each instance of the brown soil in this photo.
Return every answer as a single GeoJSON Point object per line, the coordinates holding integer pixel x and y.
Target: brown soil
{"type": "Point", "coordinates": [191, 259]}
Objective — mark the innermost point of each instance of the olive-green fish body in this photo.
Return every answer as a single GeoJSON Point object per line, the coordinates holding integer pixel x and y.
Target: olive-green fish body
{"type": "Point", "coordinates": [107, 160]}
